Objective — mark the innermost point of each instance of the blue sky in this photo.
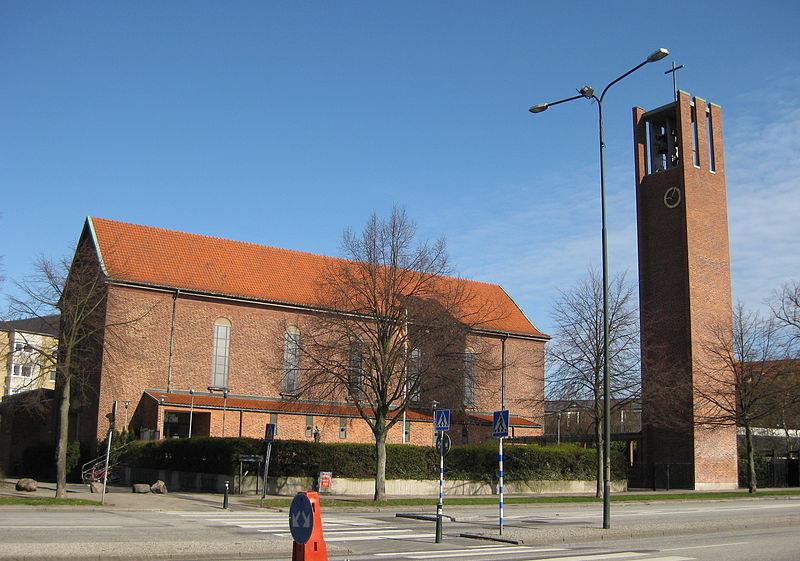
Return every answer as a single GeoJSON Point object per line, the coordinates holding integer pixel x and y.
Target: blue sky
{"type": "Point", "coordinates": [283, 123]}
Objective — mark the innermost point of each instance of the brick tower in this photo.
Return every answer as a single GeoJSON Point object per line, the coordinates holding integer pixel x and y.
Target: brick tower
{"type": "Point", "coordinates": [684, 290]}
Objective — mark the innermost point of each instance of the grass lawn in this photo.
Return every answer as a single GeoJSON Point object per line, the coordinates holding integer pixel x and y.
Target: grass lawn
{"type": "Point", "coordinates": [47, 501]}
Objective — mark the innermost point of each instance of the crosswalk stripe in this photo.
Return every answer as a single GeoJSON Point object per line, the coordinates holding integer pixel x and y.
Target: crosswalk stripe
{"type": "Point", "coordinates": [619, 555]}
{"type": "Point", "coordinates": [591, 557]}
{"type": "Point", "coordinates": [377, 537]}
{"type": "Point", "coordinates": [496, 550]}
{"type": "Point", "coordinates": [471, 548]}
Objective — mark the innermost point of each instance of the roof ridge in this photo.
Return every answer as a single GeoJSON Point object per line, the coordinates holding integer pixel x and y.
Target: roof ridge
{"type": "Point", "coordinates": [164, 257]}
{"type": "Point", "coordinates": [273, 247]}
{"type": "Point", "coordinates": [207, 236]}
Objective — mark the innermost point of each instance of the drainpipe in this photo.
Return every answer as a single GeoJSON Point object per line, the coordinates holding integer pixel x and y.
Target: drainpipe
{"type": "Point", "coordinates": [172, 340]}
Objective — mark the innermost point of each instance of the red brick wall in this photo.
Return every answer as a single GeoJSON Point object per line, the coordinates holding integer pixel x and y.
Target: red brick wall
{"type": "Point", "coordinates": [685, 299]}
{"type": "Point", "coordinates": [137, 357]}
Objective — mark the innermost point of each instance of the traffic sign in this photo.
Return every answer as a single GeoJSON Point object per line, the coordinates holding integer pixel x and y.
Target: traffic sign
{"type": "Point", "coordinates": [500, 424]}
{"type": "Point", "coordinates": [269, 432]}
{"type": "Point", "coordinates": [301, 518]}
{"type": "Point", "coordinates": [443, 443]}
{"type": "Point", "coordinates": [442, 419]}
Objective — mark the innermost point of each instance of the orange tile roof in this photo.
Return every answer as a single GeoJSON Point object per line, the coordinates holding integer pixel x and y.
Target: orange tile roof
{"type": "Point", "coordinates": [191, 262]}
{"type": "Point", "coordinates": [247, 403]}
{"type": "Point", "coordinates": [235, 403]}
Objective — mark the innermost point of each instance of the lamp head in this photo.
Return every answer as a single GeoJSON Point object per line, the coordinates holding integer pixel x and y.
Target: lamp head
{"type": "Point", "coordinates": [538, 108]}
{"type": "Point", "coordinates": [657, 55]}
{"type": "Point", "coordinates": [586, 91]}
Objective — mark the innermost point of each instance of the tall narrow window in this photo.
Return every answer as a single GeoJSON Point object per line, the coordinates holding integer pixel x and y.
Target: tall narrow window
{"type": "Point", "coordinates": [221, 353]}
{"type": "Point", "coordinates": [291, 361]}
{"type": "Point", "coordinates": [413, 368]}
{"type": "Point", "coordinates": [355, 373]}
{"type": "Point", "coordinates": [273, 418]}
{"type": "Point", "coordinates": [469, 378]}
{"type": "Point", "coordinates": [695, 149]}
{"type": "Point", "coordinates": [712, 165]}
{"type": "Point", "coordinates": [309, 426]}
{"type": "Point", "coordinates": [343, 427]}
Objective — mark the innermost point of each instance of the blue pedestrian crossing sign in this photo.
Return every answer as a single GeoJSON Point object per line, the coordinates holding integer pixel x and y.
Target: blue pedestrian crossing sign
{"type": "Point", "coordinates": [441, 419]}
{"type": "Point", "coordinates": [500, 424]}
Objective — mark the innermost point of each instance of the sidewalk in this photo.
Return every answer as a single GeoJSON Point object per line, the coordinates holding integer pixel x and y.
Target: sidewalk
{"type": "Point", "coordinates": [123, 498]}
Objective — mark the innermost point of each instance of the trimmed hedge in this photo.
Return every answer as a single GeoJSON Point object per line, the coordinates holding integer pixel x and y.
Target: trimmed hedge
{"type": "Point", "coordinates": [299, 458]}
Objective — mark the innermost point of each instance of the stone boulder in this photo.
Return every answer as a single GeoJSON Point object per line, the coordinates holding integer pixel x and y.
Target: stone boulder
{"type": "Point", "coordinates": [159, 487]}
{"type": "Point", "coordinates": [96, 487]}
{"type": "Point", "coordinates": [141, 488]}
{"type": "Point", "coordinates": [27, 484]}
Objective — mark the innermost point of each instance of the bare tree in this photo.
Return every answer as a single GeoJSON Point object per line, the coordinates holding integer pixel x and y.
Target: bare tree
{"type": "Point", "coordinates": [785, 305]}
{"type": "Point", "coordinates": [77, 290]}
{"type": "Point", "coordinates": [744, 379]}
{"type": "Point", "coordinates": [394, 328]}
{"type": "Point", "coordinates": [575, 357]}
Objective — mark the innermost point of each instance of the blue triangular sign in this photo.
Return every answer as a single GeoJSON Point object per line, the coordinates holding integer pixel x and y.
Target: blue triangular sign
{"type": "Point", "coordinates": [442, 421]}
{"type": "Point", "coordinates": [500, 424]}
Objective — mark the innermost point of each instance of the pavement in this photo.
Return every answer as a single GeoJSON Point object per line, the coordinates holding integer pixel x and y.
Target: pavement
{"type": "Point", "coordinates": [123, 499]}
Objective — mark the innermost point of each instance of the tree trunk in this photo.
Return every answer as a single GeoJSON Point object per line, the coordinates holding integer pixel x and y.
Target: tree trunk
{"type": "Point", "coordinates": [598, 441]}
{"type": "Point", "coordinates": [751, 462]}
{"type": "Point", "coordinates": [63, 440]}
{"type": "Point", "coordinates": [380, 453]}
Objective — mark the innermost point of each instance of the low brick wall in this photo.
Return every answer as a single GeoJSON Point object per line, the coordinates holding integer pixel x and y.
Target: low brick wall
{"type": "Point", "coordinates": [289, 486]}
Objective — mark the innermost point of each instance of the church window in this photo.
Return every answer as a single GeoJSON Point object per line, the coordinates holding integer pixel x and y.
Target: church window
{"type": "Point", "coordinates": [291, 360]}
{"type": "Point", "coordinates": [469, 378]}
{"type": "Point", "coordinates": [221, 353]}
{"type": "Point", "coordinates": [414, 383]}
{"type": "Point", "coordinates": [355, 372]}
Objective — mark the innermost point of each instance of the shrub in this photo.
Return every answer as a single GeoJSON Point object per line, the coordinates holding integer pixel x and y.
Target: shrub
{"type": "Point", "coordinates": [299, 458]}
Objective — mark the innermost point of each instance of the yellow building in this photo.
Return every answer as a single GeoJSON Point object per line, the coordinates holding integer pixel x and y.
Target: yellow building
{"type": "Point", "coordinates": [28, 352]}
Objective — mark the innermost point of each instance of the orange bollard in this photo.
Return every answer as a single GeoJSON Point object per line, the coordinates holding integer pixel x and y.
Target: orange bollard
{"type": "Point", "coordinates": [314, 549]}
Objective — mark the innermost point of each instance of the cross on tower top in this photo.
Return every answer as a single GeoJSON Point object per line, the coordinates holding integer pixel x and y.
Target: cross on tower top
{"type": "Point", "coordinates": [674, 72]}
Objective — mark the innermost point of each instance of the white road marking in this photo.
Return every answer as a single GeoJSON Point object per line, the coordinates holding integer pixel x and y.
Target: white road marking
{"type": "Point", "coordinates": [703, 546]}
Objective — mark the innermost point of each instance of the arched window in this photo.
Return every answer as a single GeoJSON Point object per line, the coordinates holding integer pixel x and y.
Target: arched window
{"type": "Point", "coordinates": [221, 353]}
{"type": "Point", "coordinates": [291, 360]}
{"type": "Point", "coordinates": [469, 378]}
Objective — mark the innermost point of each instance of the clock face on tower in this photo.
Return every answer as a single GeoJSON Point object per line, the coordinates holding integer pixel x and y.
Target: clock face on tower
{"type": "Point", "coordinates": [672, 197]}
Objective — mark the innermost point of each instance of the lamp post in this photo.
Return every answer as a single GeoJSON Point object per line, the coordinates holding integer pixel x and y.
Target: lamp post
{"type": "Point", "coordinates": [224, 409]}
{"type": "Point", "coordinates": [191, 412]}
{"type": "Point", "coordinates": [225, 392]}
{"type": "Point", "coordinates": [127, 403]}
{"type": "Point", "coordinates": [587, 92]}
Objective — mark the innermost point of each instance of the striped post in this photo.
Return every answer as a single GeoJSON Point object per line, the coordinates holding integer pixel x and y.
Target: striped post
{"type": "Point", "coordinates": [441, 495]}
{"type": "Point", "coordinates": [501, 485]}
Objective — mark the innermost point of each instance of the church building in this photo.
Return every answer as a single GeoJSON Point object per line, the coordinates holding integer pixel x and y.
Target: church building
{"type": "Point", "coordinates": [202, 337]}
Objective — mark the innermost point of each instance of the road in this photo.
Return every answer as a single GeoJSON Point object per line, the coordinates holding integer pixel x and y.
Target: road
{"type": "Point", "coordinates": [749, 529]}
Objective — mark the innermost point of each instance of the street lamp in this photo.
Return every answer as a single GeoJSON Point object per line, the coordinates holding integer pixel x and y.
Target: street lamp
{"type": "Point", "coordinates": [225, 392]}
{"type": "Point", "coordinates": [587, 92]}
{"type": "Point", "coordinates": [127, 403]}
{"type": "Point", "coordinates": [191, 411]}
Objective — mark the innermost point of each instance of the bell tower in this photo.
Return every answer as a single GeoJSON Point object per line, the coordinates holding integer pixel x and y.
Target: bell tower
{"type": "Point", "coordinates": [684, 290]}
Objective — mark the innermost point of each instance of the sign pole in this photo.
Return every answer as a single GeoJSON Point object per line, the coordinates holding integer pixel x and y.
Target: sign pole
{"type": "Point", "coordinates": [501, 485]}
{"type": "Point", "coordinates": [112, 418]}
{"type": "Point", "coordinates": [500, 425]}
{"type": "Point", "coordinates": [269, 436]}
{"type": "Point", "coordinates": [441, 424]}
{"type": "Point", "coordinates": [441, 494]}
